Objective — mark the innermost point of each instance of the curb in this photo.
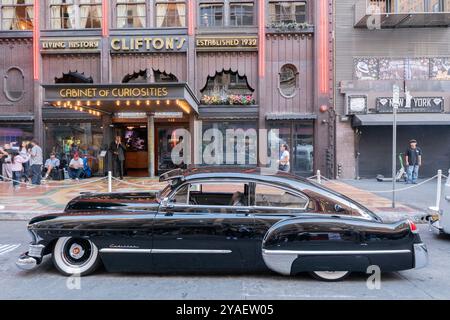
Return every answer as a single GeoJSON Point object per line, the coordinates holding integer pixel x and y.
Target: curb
{"type": "Point", "coordinates": [389, 217]}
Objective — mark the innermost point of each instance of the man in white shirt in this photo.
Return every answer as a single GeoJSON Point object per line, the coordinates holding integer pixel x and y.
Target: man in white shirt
{"type": "Point", "coordinates": [51, 163]}
{"type": "Point", "coordinates": [76, 166]}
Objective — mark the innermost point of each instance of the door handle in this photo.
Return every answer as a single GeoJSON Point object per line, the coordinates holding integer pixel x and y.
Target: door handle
{"type": "Point", "coordinates": [245, 211]}
{"type": "Point", "coordinates": [447, 198]}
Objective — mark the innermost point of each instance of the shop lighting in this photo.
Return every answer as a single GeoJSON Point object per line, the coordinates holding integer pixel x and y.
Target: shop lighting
{"type": "Point", "coordinates": [98, 103]}
{"type": "Point", "coordinates": [81, 109]}
{"type": "Point", "coordinates": [147, 102]}
{"type": "Point", "coordinates": [138, 103]}
{"type": "Point", "coordinates": [76, 108]}
{"type": "Point", "coordinates": [168, 102]}
{"type": "Point", "coordinates": [78, 103]}
{"type": "Point", "coordinates": [88, 103]}
{"type": "Point", "coordinates": [118, 103]}
{"type": "Point", "coordinates": [158, 102]}
{"type": "Point", "coordinates": [58, 103]}
{"type": "Point", "coordinates": [128, 103]}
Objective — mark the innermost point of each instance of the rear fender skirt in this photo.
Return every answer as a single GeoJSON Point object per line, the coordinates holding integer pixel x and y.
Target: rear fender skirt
{"type": "Point", "coordinates": [291, 262]}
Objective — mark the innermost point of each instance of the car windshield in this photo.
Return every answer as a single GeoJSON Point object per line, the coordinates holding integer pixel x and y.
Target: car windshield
{"type": "Point", "coordinates": [164, 193]}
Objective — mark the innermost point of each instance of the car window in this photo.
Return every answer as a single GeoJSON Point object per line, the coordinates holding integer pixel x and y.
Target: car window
{"type": "Point", "coordinates": [181, 195]}
{"type": "Point", "coordinates": [270, 196]}
{"type": "Point", "coordinates": [219, 193]}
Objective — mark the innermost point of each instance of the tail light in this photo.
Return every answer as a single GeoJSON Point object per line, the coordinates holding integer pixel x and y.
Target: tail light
{"type": "Point", "coordinates": [412, 227]}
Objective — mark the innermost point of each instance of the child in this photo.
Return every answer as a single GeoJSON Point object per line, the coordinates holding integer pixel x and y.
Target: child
{"type": "Point", "coordinates": [17, 167]}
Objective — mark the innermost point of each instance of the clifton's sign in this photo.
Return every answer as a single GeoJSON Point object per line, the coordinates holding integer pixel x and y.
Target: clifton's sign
{"type": "Point", "coordinates": [148, 44]}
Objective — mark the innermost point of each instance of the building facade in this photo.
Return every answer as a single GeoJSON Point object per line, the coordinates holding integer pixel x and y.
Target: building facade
{"type": "Point", "coordinates": [380, 44]}
{"type": "Point", "coordinates": [78, 72]}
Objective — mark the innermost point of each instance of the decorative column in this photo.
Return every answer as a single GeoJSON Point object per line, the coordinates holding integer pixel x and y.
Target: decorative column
{"type": "Point", "coordinates": [324, 135]}
{"type": "Point", "coordinates": [151, 144]}
{"type": "Point", "coordinates": [37, 89]}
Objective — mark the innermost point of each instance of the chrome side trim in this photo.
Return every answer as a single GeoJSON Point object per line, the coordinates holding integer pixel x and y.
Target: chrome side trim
{"type": "Point", "coordinates": [191, 251]}
{"type": "Point", "coordinates": [331, 252]}
{"type": "Point", "coordinates": [420, 256]}
{"type": "Point", "coordinates": [35, 250]}
{"type": "Point", "coordinates": [123, 250]}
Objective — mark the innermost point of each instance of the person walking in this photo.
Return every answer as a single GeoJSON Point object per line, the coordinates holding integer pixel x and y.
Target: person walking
{"type": "Point", "coordinates": [413, 159]}
{"type": "Point", "coordinates": [36, 162]}
{"type": "Point", "coordinates": [118, 156]}
{"type": "Point", "coordinates": [17, 168]}
{"type": "Point", "coordinates": [284, 162]}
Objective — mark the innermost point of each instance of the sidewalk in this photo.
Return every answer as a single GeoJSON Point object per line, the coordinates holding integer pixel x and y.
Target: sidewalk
{"type": "Point", "coordinates": [52, 197]}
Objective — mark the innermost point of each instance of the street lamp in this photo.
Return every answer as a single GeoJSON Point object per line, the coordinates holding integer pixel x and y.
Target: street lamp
{"type": "Point", "coordinates": [395, 106]}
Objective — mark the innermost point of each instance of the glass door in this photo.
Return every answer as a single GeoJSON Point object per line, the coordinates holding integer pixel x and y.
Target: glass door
{"type": "Point", "coordinates": [166, 141]}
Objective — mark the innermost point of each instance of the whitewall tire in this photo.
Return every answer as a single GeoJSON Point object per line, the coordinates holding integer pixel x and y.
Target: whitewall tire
{"type": "Point", "coordinates": [75, 256]}
{"type": "Point", "coordinates": [330, 275]}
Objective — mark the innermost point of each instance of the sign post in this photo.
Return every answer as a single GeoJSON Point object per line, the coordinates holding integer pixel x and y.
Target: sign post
{"type": "Point", "coordinates": [395, 105]}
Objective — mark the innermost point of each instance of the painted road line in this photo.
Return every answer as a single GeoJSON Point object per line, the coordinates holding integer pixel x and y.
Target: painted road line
{"type": "Point", "coordinates": [4, 249]}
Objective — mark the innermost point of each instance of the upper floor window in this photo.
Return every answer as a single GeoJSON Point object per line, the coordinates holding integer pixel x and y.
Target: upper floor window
{"type": "Point", "coordinates": [241, 14]}
{"type": "Point", "coordinates": [211, 15]}
{"type": "Point", "coordinates": [170, 14]}
{"type": "Point", "coordinates": [16, 14]}
{"type": "Point", "coordinates": [226, 83]}
{"type": "Point", "coordinates": [287, 12]}
{"type": "Point", "coordinates": [75, 14]}
{"type": "Point", "coordinates": [131, 14]}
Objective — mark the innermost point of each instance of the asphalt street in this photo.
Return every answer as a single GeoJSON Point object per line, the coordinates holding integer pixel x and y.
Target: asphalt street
{"type": "Point", "coordinates": [432, 282]}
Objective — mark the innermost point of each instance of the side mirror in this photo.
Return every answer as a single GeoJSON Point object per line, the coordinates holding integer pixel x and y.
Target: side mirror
{"type": "Point", "coordinates": [338, 208]}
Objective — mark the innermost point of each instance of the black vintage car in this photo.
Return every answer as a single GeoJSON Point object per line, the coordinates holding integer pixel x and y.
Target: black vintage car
{"type": "Point", "coordinates": [216, 220]}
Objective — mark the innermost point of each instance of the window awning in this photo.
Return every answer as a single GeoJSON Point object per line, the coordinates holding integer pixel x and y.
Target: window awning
{"type": "Point", "coordinates": [410, 119]}
{"type": "Point", "coordinates": [111, 98]}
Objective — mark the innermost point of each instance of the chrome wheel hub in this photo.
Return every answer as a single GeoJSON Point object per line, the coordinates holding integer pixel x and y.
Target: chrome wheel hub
{"type": "Point", "coordinates": [76, 251]}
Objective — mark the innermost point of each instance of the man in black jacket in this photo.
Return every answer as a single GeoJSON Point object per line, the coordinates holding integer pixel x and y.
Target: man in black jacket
{"type": "Point", "coordinates": [413, 159]}
{"type": "Point", "coordinates": [118, 156]}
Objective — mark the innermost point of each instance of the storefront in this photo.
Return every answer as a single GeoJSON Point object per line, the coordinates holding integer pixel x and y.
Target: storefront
{"type": "Point", "coordinates": [146, 116]}
{"type": "Point", "coordinates": [423, 114]}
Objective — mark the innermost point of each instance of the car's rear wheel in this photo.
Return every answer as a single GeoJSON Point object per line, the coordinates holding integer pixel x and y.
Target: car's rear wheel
{"type": "Point", "coordinates": [75, 256]}
{"type": "Point", "coordinates": [330, 275]}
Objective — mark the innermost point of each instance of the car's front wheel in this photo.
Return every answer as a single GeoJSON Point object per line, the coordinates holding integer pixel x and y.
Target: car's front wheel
{"type": "Point", "coordinates": [75, 256]}
{"type": "Point", "coordinates": [330, 275]}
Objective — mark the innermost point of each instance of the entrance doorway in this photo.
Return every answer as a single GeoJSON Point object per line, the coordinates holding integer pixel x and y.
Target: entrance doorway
{"type": "Point", "coordinates": [299, 136]}
{"type": "Point", "coordinates": [135, 137]}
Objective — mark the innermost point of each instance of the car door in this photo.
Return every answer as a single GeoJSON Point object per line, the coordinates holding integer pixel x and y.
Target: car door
{"type": "Point", "coordinates": [212, 235]}
{"type": "Point", "coordinates": [271, 204]}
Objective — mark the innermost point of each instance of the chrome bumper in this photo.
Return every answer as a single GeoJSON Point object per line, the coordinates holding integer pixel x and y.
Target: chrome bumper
{"type": "Point", "coordinates": [420, 256]}
{"type": "Point", "coordinates": [32, 258]}
{"type": "Point", "coordinates": [26, 263]}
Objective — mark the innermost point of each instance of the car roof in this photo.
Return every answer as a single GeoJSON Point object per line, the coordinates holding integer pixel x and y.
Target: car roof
{"type": "Point", "coordinates": [233, 172]}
